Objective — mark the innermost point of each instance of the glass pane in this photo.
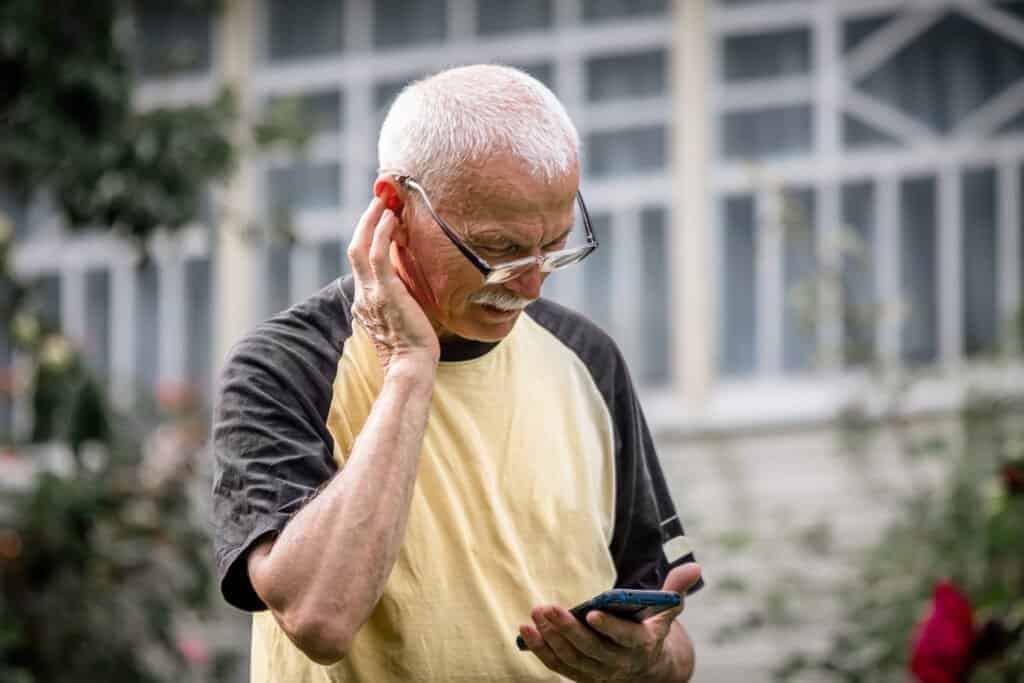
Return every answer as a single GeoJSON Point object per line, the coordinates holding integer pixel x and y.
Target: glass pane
{"type": "Point", "coordinates": [306, 185]}
{"type": "Point", "coordinates": [319, 112]}
{"type": "Point", "coordinates": [48, 299]}
{"type": "Point", "coordinates": [948, 72]}
{"type": "Point", "coordinates": [96, 345]}
{"type": "Point", "coordinates": [767, 133]}
{"type": "Point", "coordinates": [629, 150]}
{"type": "Point", "coordinates": [198, 306]}
{"type": "Point", "coordinates": [397, 23]}
{"type": "Point", "coordinates": [596, 10]}
{"type": "Point", "coordinates": [655, 316]}
{"type": "Point", "coordinates": [859, 297]}
{"type": "Point", "coordinates": [766, 55]}
{"type": "Point", "coordinates": [279, 280]}
{"type": "Point", "coordinates": [858, 134]}
{"type": "Point", "coordinates": [597, 274]}
{"type": "Point", "coordinates": [304, 29]}
{"type": "Point", "coordinates": [332, 262]}
{"type": "Point", "coordinates": [147, 326]}
{"type": "Point", "coordinates": [738, 340]}
{"type": "Point", "coordinates": [173, 38]}
{"type": "Point", "coordinates": [917, 260]}
{"type": "Point", "coordinates": [856, 30]}
{"type": "Point", "coordinates": [980, 266]}
{"type": "Point", "coordinates": [1015, 126]}
{"type": "Point", "coordinates": [501, 16]}
{"type": "Point", "coordinates": [626, 76]}
{"type": "Point", "coordinates": [800, 314]}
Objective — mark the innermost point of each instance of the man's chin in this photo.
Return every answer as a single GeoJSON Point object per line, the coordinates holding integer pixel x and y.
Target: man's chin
{"type": "Point", "coordinates": [489, 324]}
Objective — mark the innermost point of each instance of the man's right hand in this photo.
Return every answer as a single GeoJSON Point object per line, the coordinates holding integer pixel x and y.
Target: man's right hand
{"type": "Point", "coordinates": [383, 307]}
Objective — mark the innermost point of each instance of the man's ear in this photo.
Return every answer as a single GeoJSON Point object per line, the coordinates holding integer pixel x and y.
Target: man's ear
{"type": "Point", "coordinates": [387, 189]}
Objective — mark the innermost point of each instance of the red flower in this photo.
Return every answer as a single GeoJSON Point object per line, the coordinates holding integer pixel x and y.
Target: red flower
{"type": "Point", "coordinates": [943, 641]}
{"type": "Point", "coordinates": [1013, 477]}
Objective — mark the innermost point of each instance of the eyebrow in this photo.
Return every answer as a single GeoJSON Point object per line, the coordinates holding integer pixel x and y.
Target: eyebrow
{"type": "Point", "coordinates": [491, 239]}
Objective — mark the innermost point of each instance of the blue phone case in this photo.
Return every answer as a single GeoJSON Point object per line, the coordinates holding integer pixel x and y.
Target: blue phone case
{"type": "Point", "coordinates": [635, 605]}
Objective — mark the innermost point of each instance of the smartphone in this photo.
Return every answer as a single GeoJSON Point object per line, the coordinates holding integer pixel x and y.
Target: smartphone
{"type": "Point", "coordinates": [635, 605]}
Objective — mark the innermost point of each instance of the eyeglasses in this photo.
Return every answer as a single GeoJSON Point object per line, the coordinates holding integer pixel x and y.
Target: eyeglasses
{"type": "Point", "coordinates": [503, 272]}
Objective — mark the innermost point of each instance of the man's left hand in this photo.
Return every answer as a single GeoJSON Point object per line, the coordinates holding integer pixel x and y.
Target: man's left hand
{"type": "Point", "coordinates": [626, 651]}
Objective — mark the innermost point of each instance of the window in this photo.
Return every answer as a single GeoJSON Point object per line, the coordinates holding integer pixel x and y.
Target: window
{"type": "Point", "coordinates": [305, 185]}
{"type": "Point", "coordinates": [800, 312]}
{"type": "Point", "coordinates": [738, 277]}
{"type": "Point", "coordinates": [767, 133]}
{"type": "Point", "coordinates": [856, 30]}
{"type": "Point", "coordinates": [653, 366]}
{"type": "Point", "coordinates": [501, 16]}
{"type": "Point", "coordinates": [766, 55]}
{"type": "Point", "coordinates": [399, 23]}
{"type": "Point", "coordinates": [320, 112]}
{"type": "Point", "coordinates": [97, 320]}
{"type": "Point", "coordinates": [597, 274]}
{"type": "Point", "coordinates": [331, 261]}
{"type": "Point", "coordinates": [598, 10]}
{"type": "Point", "coordinates": [278, 277]}
{"type": "Point", "coordinates": [173, 38]}
{"type": "Point", "coordinates": [918, 268]}
{"type": "Point", "coordinates": [542, 71]}
{"type": "Point", "coordinates": [859, 294]}
{"type": "Point", "coordinates": [298, 30]}
{"type": "Point", "coordinates": [48, 300]}
{"type": "Point", "coordinates": [198, 308]}
{"type": "Point", "coordinates": [626, 76]}
{"type": "Point", "coordinates": [857, 134]}
{"type": "Point", "coordinates": [147, 326]}
{"type": "Point", "coordinates": [979, 264]}
{"type": "Point", "coordinates": [630, 150]}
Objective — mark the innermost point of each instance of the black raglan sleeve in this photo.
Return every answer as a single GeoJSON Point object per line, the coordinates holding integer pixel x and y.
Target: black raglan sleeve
{"type": "Point", "coordinates": [271, 449]}
{"type": "Point", "coordinates": [648, 538]}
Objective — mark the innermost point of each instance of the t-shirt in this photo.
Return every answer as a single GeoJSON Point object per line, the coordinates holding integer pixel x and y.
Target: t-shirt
{"type": "Point", "coordinates": [537, 483]}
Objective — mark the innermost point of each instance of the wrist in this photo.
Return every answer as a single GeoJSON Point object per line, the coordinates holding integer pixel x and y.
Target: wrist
{"type": "Point", "coordinates": [417, 370]}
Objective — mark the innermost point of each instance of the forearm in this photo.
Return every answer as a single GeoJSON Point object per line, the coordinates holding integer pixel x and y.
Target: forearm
{"type": "Point", "coordinates": [678, 657]}
{"type": "Point", "coordinates": [325, 572]}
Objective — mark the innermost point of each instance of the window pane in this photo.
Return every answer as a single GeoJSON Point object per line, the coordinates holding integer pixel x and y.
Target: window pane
{"type": "Point", "coordinates": [625, 151]}
{"type": "Point", "coordinates": [980, 269]}
{"type": "Point", "coordinates": [767, 133]}
{"type": "Point", "coordinates": [47, 297]}
{"type": "Point", "coordinates": [858, 134]}
{"type": "Point", "coordinates": [626, 76]}
{"type": "Point", "coordinates": [305, 185]}
{"type": "Point", "coordinates": [501, 16]}
{"type": "Point", "coordinates": [856, 30]}
{"type": "Point", "coordinates": [917, 260]}
{"type": "Point", "coordinates": [397, 23]}
{"type": "Point", "coordinates": [319, 112]}
{"type": "Point", "coordinates": [948, 72]}
{"type": "Point", "coordinates": [173, 38]}
{"type": "Point", "coordinates": [800, 314]}
{"type": "Point", "coordinates": [542, 71]}
{"type": "Point", "coordinates": [655, 316]}
{"type": "Point", "coordinates": [597, 274]}
{"type": "Point", "coordinates": [147, 326]}
{"type": "Point", "coordinates": [596, 10]}
{"type": "Point", "coordinates": [859, 297]}
{"type": "Point", "coordinates": [198, 303]}
{"type": "Point", "coordinates": [304, 29]}
{"type": "Point", "coordinates": [332, 262]}
{"type": "Point", "coordinates": [96, 345]}
{"type": "Point", "coordinates": [738, 351]}
{"type": "Point", "coordinates": [766, 55]}
{"type": "Point", "coordinates": [278, 274]}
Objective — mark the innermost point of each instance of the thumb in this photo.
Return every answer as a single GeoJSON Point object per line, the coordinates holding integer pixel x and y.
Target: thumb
{"type": "Point", "coordinates": [682, 577]}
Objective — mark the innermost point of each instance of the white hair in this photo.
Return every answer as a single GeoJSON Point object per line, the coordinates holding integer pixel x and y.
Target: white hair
{"type": "Point", "coordinates": [461, 116]}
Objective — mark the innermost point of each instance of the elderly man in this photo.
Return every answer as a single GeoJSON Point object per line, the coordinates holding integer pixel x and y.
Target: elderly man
{"type": "Point", "coordinates": [424, 460]}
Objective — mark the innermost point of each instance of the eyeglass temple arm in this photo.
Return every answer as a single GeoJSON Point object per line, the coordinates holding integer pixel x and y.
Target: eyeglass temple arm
{"type": "Point", "coordinates": [481, 265]}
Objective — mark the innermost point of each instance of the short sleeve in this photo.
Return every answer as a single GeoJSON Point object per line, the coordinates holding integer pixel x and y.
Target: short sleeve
{"type": "Point", "coordinates": [271, 449]}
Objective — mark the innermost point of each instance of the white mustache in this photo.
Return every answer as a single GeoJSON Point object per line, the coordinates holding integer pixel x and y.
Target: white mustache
{"type": "Point", "coordinates": [506, 301]}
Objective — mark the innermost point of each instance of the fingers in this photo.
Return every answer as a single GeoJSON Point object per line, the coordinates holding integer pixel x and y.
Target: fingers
{"type": "Point", "coordinates": [626, 634]}
{"type": "Point", "coordinates": [380, 248]}
{"type": "Point", "coordinates": [362, 238]}
{"type": "Point", "coordinates": [681, 578]}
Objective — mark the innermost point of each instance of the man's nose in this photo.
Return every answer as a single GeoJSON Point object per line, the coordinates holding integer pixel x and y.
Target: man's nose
{"type": "Point", "coordinates": [526, 284]}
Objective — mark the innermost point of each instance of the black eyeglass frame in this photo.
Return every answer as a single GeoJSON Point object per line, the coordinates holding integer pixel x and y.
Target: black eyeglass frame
{"type": "Point", "coordinates": [503, 272]}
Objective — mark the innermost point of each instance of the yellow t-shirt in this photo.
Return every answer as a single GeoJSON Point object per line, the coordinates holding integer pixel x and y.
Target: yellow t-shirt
{"type": "Point", "coordinates": [537, 483]}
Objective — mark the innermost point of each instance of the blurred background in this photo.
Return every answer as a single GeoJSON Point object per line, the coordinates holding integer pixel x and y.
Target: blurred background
{"type": "Point", "coordinates": [812, 232]}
